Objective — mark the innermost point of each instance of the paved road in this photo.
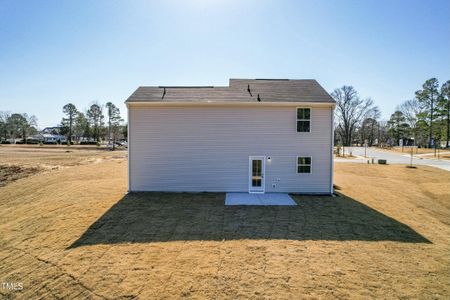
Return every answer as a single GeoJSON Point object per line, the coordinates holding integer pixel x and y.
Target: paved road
{"type": "Point", "coordinates": [394, 158]}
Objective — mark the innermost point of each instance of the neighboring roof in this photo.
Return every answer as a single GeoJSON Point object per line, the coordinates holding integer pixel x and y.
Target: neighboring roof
{"type": "Point", "coordinates": [269, 90]}
{"type": "Point", "coordinates": [52, 130]}
{"type": "Point", "coordinates": [49, 135]}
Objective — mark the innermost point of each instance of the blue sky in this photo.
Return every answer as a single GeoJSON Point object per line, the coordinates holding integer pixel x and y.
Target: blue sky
{"type": "Point", "coordinates": [55, 52]}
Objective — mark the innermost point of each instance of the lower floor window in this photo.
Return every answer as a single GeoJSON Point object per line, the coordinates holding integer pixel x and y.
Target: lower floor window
{"type": "Point", "coordinates": [303, 164]}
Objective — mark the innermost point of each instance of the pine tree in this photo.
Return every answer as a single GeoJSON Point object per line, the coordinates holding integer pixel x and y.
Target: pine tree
{"type": "Point", "coordinates": [428, 97]}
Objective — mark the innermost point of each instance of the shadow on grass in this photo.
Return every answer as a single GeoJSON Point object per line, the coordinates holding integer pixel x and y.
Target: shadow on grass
{"type": "Point", "coordinates": [159, 217]}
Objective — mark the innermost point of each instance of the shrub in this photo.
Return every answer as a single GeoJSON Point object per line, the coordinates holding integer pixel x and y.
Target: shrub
{"type": "Point", "coordinates": [32, 142]}
{"type": "Point", "coordinates": [88, 143]}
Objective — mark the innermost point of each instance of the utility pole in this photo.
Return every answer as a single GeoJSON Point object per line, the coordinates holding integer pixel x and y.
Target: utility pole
{"type": "Point", "coordinates": [412, 154]}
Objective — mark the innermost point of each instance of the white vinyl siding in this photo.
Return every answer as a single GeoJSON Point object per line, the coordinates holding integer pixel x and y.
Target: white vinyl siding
{"type": "Point", "coordinates": [207, 148]}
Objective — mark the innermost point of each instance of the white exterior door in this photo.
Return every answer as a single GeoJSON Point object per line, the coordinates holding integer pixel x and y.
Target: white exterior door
{"type": "Point", "coordinates": [257, 169]}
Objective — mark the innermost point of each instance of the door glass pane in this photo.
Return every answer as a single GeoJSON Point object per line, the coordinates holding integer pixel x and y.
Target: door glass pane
{"type": "Point", "coordinates": [256, 173]}
{"type": "Point", "coordinates": [256, 182]}
{"type": "Point", "coordinates": [257, 168]}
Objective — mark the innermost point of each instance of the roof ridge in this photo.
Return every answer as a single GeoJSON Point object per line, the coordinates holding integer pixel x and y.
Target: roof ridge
{"type": "Point", "coordinates": [185, 86]}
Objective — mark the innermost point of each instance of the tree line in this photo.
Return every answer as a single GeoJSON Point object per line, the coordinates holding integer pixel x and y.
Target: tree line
{"type": "Point", "coordinates": [16, 125]}
{"type": "Point", "coordinates": [95, 124]}
{"type": "Point", "coordinates": [422, 121]}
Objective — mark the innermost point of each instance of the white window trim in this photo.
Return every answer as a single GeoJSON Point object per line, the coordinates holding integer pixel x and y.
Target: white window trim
{"type": "Point", "coordinates": [310, 118]}
{"type": "Point", "coordinates": [310, 165]}
{"type": "Point", "coordinates": [263, 181]}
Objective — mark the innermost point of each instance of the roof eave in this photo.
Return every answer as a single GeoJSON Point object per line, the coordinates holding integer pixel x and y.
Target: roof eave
{"type": "Point", "coordinates": [226, 103]}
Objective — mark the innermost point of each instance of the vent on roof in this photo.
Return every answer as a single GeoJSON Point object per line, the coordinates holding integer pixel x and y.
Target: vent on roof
{"type": "Point", "coordinates": [249, 91]}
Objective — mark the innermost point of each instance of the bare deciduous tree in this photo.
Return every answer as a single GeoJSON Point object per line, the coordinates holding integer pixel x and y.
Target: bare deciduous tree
{"type": "Point", "coordinates": [351, 110]}
{"type": "Point", "coordinates": [411, 109]}
{"type": "Point", "coordinates": [383, 137]}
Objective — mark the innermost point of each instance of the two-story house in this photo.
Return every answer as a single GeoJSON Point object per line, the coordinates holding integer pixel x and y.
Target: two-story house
{"type": "Point", "coordinates": [255, 135]}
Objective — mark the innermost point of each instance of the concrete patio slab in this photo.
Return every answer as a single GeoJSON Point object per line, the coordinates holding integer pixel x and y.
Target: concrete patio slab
{"type": "Point", "coordinates": [259, 199]}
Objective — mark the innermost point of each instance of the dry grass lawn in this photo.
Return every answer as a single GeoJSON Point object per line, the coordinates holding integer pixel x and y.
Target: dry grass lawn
{"type": "Point", "coordinates": [73, 232]}
{"type": "Point", "coordinates": [407, 150]}
{"type": "Point", "coordinates": [431, 151]}
{"type": "Point", "coordinates": [53, 156]}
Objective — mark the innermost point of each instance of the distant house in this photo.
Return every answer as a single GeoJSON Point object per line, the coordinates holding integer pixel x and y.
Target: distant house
{"type": "Point", "coordinates": [51, 130]}
{"type": "Point", "coordinates": [50, 135]}
{"type": "Point", "coordinates": [252, 136]}
{"type": "Point", "coordinates": [53, 138]}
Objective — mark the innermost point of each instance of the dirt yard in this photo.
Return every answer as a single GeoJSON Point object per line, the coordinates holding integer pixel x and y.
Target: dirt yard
{"type": "Point", "coordinates": [11, 173]}
{"type": "Point", "coordinates": [73, 232]}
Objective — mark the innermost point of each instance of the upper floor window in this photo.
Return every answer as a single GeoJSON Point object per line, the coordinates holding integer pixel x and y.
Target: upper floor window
{"type": "Point", "coordinates": [303, 119]}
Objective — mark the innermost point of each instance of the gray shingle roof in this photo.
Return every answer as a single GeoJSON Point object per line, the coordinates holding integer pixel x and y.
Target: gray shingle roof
{"type": "Point", "coordinates": [269, 90]}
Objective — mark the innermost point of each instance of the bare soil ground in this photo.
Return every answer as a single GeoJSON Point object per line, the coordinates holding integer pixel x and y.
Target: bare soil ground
{"type": "Point", "coordinates": [19, 161]}
{"type": "Point", "coordinates": [73, 232]}
{"type": "Point", "coordinates": [9, 174]}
